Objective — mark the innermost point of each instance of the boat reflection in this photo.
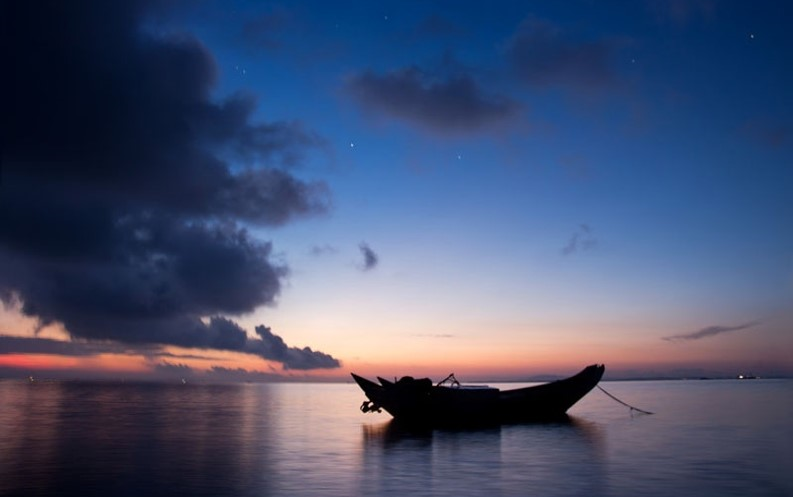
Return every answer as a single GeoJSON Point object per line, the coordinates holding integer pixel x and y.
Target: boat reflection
{"type": "Point", "coordinates": [511, 459]}
{"type": "Point", "coordinates": [393, 432]}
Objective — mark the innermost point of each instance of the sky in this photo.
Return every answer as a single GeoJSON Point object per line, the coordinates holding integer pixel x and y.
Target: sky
{"type": "Point", "coordinates": [255, 191]}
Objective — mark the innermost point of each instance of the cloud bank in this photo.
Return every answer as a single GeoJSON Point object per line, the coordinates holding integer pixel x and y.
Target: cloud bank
{"type": "Point", "coordinates": [227, 336]}
{"type": "Point", "coordinates": [126, 189]}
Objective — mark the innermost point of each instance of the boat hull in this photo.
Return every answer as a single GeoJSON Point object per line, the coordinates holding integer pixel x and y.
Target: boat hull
{"type": "Point", "coordinates": [419, 402]}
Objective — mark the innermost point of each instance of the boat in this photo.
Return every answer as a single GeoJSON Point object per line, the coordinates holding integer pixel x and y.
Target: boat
{"type": "Point", "coordinates": [447, 403]}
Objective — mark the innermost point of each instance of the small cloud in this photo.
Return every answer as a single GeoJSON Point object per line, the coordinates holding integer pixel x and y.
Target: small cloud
{"type": "Point", "coordinates": [448, 104]}
{"type": "Point", "coordinates": [767, 132]}
{"type": "Point", "coordinates": [172, 370]}
{"type": "Point", "coordinates": [267, 30]}
{"type": "Point", "coordinates": [682, 12]}
{"type": "Point", "coordinates": [542, 54]}
{"type": "Point", "coordinates": [576, 166]}
{"type": "Point", "coordinates": [221, 374]}
{"type": "Point", "coordinates": [320, 250]}
{"type": "Point", "coordinates": [436, 26]}
{"type": "Point", "coordinates": [370, 258]}
{"type": "Point", "coordinates": [582, 240]}
{"type": "Point", "coordinates": [710, 331]}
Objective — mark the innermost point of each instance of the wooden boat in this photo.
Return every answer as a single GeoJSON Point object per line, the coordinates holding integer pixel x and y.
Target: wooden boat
{"type": "Point", "coordinates": [419, 402]}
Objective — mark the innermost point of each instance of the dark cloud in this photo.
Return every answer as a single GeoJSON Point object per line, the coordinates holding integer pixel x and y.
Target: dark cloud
{"type": "Point", "coordinates": [582, 240]}
{"type": "Point", "coordinates": [159, 352]}
{"type": "Point", "coordinates": [682, 12]}
{"type": "Point", "coordinates": [437, 26]}
{"type": "Point", "coordinates": [577, 166]}
{"type": "Point", "coordinates": [221, 374]}
{"type": "Point", "coordinates": [85, 348]}
{"type": "Point", "coordinates": [219, 334]}
{"type": "Point", "coordinates": [170, 370]}
{"type": "Point", "coordinates": [710, 331]}
{"type": "Point", "coordinates": [767, 132]}
{"type": "Point", "coordinates": [29, 345]}
{"type": "Point", "coordinates": [544, 55]}
{"type": "Point", "coordinates": [266, 30]}
{"type": "Point", "coordinates": [454, 103]}
{"type": "Point", "coordinates": [126, 188]}
{"type": "Point", "coordinates": [370, 258]}
{"type": "Point", "coordinates": [271, 346]}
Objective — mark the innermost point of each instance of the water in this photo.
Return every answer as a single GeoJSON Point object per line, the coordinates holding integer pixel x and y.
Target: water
{"type": "Point", "coordinates": [720, 438]}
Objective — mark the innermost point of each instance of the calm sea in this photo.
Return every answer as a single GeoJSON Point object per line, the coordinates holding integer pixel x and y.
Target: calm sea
{"type": "Point", "coordinates": [707, 438]}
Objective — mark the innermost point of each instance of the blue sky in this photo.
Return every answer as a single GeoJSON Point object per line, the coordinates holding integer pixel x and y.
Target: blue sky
{"type": "Point", "coordinates": [528, 178]}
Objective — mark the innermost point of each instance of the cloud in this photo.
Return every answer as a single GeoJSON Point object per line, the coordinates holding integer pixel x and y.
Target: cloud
{"type": "Point", "coordinates": [370, 258]}
{"type": "Point", "coordinates": [437, 26]}
{"type": "Point", "coordinates": [267, 29]}
{"type": "Point", "coordinates": [581, 241]}
{"type": "Point", "coordinates": [271, 346]}
{"type": "Point", "coordinates": [767, 132]}
{"type": "Point", "coordinates": [29, 345]}
{"type": "Point", "coordinates": [218, 373]}
{"type": "Point", "coordinates": [682, 12]}
{"type": "Point", "coordinates": [219, 334]}
{"type": "Point", "coordinates": [171, 370]}
{"type": "Point", "coordinates": [449, 104]}
{"type": "Point", "coordinates": [320, 250]}
{"type": "Point", "coordinates": [544, 55]}
{"type": "Point", "coordinates": [577, 166]}
{"type": "Point", "coordinates": [127, 190]}
{"type": "Point", "coordinates": [710, 331]}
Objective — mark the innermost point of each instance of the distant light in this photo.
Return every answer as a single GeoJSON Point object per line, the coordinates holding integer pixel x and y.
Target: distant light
{"type": "Point", "coordinates": [352, 145]}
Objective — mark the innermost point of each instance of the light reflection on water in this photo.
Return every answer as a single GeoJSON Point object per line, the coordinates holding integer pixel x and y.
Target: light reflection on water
{"type": "Point", "coordinates": [71, 438]}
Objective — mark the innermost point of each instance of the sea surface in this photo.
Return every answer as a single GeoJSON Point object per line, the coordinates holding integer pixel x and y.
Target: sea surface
{"type": "Point", "coordinates": [706, 438]}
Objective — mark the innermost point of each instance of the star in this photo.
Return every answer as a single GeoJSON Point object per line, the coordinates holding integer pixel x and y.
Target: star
{"type": "Point", "coordinates": [751, 36]}
{"type": "Point", "coordinates": [352, 145]}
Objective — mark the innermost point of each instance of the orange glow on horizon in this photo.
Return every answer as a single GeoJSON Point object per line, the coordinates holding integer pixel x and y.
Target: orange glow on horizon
{"type": "Point", "coordinates": [102, 362]}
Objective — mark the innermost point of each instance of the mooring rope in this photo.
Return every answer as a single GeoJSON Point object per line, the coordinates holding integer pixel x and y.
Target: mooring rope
{"type": "Point", "coordinates": [623, 403]}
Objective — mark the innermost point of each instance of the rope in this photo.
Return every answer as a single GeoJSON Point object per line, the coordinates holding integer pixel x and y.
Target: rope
{"type": "Point", "coordinates": [623, 403]}
{"type": "Point", "coordinates": [451, 379]}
